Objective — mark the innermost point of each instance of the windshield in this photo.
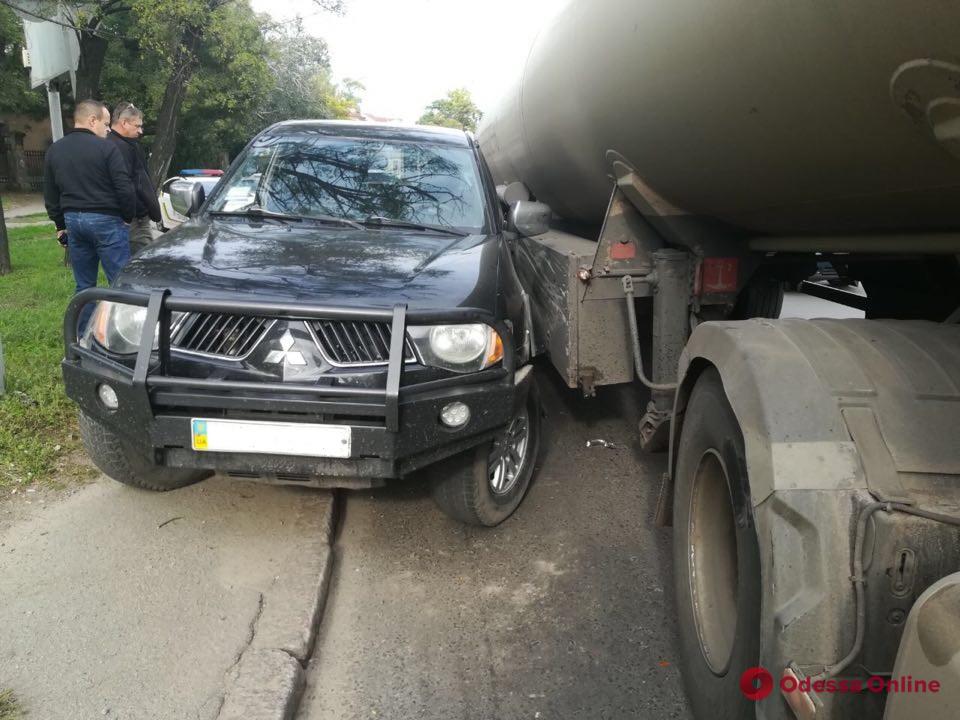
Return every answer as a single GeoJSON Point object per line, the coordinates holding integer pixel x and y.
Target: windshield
{"type": "Point", "coordinates": [358, 179]}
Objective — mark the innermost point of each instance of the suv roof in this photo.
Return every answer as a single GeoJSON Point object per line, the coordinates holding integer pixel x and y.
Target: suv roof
{"type": "Point", "coordinates": [359, 128]}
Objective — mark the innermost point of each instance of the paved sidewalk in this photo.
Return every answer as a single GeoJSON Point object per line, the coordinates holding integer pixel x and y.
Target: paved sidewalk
{"type": "Point", "coordinates": [20, 204]}
{"type": "Point", "coordinates": [198, 603]}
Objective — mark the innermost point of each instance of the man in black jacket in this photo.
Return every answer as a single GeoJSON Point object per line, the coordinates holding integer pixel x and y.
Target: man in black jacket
{"type": "Point", "coordinates": [89, 196]}
{"type": "Point", "coordinates": [127, 127]}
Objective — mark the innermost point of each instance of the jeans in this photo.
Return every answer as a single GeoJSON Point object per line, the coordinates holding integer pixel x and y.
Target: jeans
{"type": "Point", "coordinates": [95, 239]}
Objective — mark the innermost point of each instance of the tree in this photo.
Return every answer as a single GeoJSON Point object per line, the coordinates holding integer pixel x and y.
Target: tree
{"type": "Point", "coordinates": [286, 75]}
{"type": "Point", "coordinates": [177, 30]}
{"type": "Point", "coordinates": [94, 24]}
{"type": "Point", "coordinates": [340, 101]}
{"type": "Point", "coordinates": [456, 110]}
{"type": "Point", "coordinates": [297, 61]}
{"type": "Point", "coordinates": [208, 74]}
{"type": "Point", "coordinates": [304, 87]}
{"type": "Point", "coordinates": [15, 93]}
{"type": "Point", "coordinates": [225, 99]}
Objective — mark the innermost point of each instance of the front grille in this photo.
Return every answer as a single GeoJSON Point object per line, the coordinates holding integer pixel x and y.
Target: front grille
{"type": "Point", "coordinates": [229, 336]}
{"type": "Point", "coordinates": [357, 343]}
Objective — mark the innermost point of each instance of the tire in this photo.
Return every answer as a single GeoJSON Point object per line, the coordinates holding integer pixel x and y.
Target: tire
{"type": "Point", "coordinates": [716, 558]}
{"type": "Point", "coordinates": [122, 462]}
{"type": "Point", "coordinates": [462, 486]}
{"type": "Point", "coordinates": [762, 298]}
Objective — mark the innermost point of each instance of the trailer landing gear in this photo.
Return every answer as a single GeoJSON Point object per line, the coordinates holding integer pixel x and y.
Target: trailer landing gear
{"type": "Point", "coordinates": [670, 281]}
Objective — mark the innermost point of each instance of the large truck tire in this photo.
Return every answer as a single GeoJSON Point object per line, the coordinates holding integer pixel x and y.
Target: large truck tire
{"type": "Point", "coordinates": [761, 298]}
{"type": "Point", "coordinates": [483, 486]}
{"type": "Point", "coordinates": [122, 462]}
{"type": "Point", "coordinates": [715, 556]}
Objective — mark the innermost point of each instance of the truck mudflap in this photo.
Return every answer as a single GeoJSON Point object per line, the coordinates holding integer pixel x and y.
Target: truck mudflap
{"type": "Point", "coordinates": [928, 662]}
{"type": "Point", "coordinates": [838, 417]}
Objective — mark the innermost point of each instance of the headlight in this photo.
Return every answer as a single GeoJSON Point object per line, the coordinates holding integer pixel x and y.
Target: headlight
{"type": "Point", "coordinates": [461, 348]}
{"type": "Point", "coordinates": [118, 327]}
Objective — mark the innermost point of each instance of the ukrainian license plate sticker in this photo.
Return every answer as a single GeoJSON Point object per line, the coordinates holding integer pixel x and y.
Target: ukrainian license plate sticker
{"type": "Point", "coordinates": [271, 438]}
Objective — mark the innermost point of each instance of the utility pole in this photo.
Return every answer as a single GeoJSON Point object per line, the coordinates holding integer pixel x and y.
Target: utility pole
{"type": "Point", "coordinates": [56, 114]}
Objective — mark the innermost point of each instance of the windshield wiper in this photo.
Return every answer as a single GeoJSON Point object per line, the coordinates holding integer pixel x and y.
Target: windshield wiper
{"type": "Point", "coordinates": [255, 211]}
{"type": "Point", "coordinates": [390, 222]}
{"type": "Point", "coordinates": [335, 220]}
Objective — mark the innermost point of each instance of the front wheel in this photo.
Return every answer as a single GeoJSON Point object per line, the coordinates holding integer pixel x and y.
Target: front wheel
{"type": "Point", "coordinates": [485, 485]}
{"type": "Point", "coordinates": [124, 463]}
{"type": "Point", "coordinates": [716, 559]}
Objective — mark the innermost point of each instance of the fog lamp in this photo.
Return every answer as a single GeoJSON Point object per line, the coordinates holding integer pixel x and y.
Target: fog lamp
{"type": "Point", "coordinates": [108, 396]}
{"type": "Point", "coordinates": [454, 415]}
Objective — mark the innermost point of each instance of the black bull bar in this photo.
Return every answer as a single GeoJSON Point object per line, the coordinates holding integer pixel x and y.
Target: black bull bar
{"type": "Point", "coordinates": [150, 375]}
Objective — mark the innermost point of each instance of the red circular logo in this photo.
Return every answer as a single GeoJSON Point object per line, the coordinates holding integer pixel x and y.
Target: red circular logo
{"type": "Point", "coordinates": [756, 683]}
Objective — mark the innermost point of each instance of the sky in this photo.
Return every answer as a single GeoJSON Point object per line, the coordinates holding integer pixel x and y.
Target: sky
{"type": "Point", "coordinates": [408, 53]}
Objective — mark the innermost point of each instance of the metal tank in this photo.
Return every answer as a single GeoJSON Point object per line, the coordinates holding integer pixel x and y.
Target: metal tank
{"type": "Point", "coordinates": [775, 117]}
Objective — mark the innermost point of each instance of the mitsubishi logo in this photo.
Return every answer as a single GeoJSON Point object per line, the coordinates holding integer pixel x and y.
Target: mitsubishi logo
{"type": "Point", "coordinates": [285, 355]}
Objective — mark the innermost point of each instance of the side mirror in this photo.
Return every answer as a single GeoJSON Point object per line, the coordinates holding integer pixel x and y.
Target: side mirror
{"type": "Point", "coordinates": [186, 197]}
{"type": "Point", "coordinates": [529, 218]}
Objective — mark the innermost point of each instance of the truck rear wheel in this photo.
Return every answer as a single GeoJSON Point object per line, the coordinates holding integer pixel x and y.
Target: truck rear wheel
{"type": "Point", "coordinates": [121, 461]}
{"type": "Point", "coordinates": [762, 298]}
{"type": "Point", "coordinates": [485, 485]}
{"type": "Point", "coordinates": [715, 555]}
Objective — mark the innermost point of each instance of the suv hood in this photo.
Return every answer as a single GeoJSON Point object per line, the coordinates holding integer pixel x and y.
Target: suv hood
{"type": "Point", "coordinates": [319, 264]}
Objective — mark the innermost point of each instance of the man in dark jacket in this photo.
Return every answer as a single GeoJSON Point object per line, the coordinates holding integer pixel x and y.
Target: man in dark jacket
{"type": "Point", "coordinates": [127, 127]}
{"type": "Point", "coordinates": [89, 196]}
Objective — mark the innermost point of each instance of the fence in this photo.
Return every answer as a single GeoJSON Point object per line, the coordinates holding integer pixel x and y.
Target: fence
{"type": "Point", "coordinates": [32, 176]}
{"type": "Point", "coordinates": [34, 161]}
{"type": "Point", "coordinates": [4, 169]}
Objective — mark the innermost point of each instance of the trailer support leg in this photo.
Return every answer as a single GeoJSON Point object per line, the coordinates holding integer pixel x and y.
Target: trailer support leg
{"type": "Point", "coordinates": [671, 328]}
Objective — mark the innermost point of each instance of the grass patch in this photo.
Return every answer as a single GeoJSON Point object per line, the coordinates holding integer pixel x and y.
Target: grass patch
{"type": "Point", "coordinates": [39, 440]}
{"type": "Point", "coordinates": [9, 706]}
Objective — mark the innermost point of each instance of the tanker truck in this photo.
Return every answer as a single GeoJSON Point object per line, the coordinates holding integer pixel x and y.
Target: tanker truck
{"type": "Point", "coordinates": [666, 169]}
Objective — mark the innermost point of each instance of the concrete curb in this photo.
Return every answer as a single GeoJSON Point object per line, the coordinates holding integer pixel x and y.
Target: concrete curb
{"type": "Point", "coordinates": [265, 684]}
{"type": "Point", "coordinates": [268, 679]}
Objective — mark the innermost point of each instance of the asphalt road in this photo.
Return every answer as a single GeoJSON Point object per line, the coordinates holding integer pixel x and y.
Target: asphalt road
{"type": "Point", "coordinates": [564, 611]}
{"type": "Point", "coordinates": [125, 604]}
{"type": "Point", "coordinates": [799, 305]}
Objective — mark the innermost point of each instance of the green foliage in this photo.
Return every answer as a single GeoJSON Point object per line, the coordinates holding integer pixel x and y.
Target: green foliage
{"type": "Point", "coordinates": [129, 73]}
{"type": "Point", "coordinates": [248, 72]}
{"type": "Point", "coordinates": [303, 85]}
{"type": "Point", "coordinates": [226, 93]}
{"type": "Point", "coordinates": [15, 93]}
{"type": "Point", "coordinates": [9, 706]}
{"type": "Point", "coordinates": [341, 101]}
{"type": "Point", "coordinates": [456, 110]}
{"type": "Point", "coordinates": [261, 73]}
{"type": "Point", "coordinates": [300, 66]}
{"type": "Point", "coordinates": [38, 428]}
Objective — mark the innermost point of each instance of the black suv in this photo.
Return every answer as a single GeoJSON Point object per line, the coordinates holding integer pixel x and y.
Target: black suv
{"type": "Point", "coordinates": [342, 309]}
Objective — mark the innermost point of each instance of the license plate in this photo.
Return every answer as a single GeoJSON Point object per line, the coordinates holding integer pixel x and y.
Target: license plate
{"type": "Point", "coordinates": [271, 438]}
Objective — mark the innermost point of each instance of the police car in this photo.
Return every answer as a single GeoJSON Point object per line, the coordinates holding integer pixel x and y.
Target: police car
{"type": "Point", "coordinates": [170, 218]}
